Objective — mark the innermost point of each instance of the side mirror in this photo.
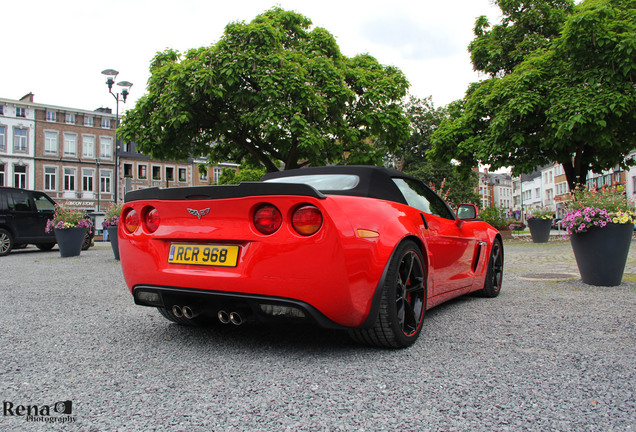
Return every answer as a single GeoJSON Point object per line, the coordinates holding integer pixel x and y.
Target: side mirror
{"type": "Point", "coordinates": [467, 212]}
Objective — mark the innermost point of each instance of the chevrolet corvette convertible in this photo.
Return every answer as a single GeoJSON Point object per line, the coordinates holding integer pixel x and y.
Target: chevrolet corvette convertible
{"type": "Point", "coordinates": [366, 249]}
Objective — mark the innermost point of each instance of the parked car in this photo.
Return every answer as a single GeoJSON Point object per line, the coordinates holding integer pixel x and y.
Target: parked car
{"type": "Point", "coordinates": [366, 249]}
{"type": "Point", "coordinates": [23, 216]}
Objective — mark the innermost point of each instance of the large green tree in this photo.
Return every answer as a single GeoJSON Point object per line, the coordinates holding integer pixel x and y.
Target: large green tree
{"type": "Point", "coordinates": [525, 27]}
{"type": "Point", "coordinates": [454, 184]}
{"type": "Point", "coordinates": [269, 92]}
{"type": "Point", "coordinates": [571, 100]}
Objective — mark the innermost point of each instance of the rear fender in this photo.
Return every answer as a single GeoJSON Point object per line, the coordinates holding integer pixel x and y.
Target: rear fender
{"type": "Point", "coordinates": [369, 322]}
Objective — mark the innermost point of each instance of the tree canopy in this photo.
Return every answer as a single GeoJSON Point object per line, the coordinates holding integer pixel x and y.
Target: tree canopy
{"type": "Point", "coordinates": [269, 92]}
{"type": "Point", "coordinates": [452, 183]}
{"type": "Point", "coordinates": [570, 100]}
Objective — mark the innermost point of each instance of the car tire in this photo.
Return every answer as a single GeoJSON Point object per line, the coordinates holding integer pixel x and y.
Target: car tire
{"type": "Point", "coordinates": [494, 275]}
{"type": "Point", "coordinates": [45, 246]}
{"type": "Point", "coordinates": [403, 302]}
{"type": "Point", "coordinates": [88, 241]}
{"type": "Point", "coordinates": [6, 242]}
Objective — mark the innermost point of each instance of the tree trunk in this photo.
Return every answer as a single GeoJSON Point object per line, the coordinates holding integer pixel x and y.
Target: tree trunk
{"type": "Point", "coordinates": [576, 169]}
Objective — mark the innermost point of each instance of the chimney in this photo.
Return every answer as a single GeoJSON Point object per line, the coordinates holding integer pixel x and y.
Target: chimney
{"type": "Point", "coordinates": [27, 98]}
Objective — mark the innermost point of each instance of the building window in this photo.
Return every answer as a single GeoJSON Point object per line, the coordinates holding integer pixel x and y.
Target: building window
{"type": "Point", "coordinates": [88, 146]}
{"type": "Point", "coordinates": [106, 148]}
{"type": "Point", "coordinates": [142, 171]}
{"type": "Point", "coordinates": [50, 178]}
{"type": "Point", "coordinates": [88, 121]}
{"type": "Point", "coordinates": [51, 116]}
{"type": "Point", "coordinates": [104, 181]}
{"type": "Point", "coordinates": [156, 172]}
{"type": "Point", "coordinates": [50, 142]}
{"type": "Point", "coordinates": [1, 109]}
{"type": "Point", "coordinates": [19, 176]}
{"type": "Point", "coordinates": [87, 179]}
{"type": "Point", "coordinates": [217, 173]}
{"type": "Point", "coordinates": [2, 175]}
{"type": "Point", "coordinates": [20, 140]}
{"type": "Point", "coordinates": [70, 144]}
{"type": "Point", "coordinates": [170, 173]}
{"type": "Point", "coordinates": [106, 123]}
{"type": "Point", "coordinates": [128, 170]}
{"type": "Point", "coordinates": [182, 174]}
{"type": "Point", "coordinates": [3, 137]}
{"type": "Point", "coordinates": [70, 118]}
{"type": "Point", "coordinates": [203, 175]}
{"type": "Point", "coordinates": [69, 179]}
{"type": "Point", "coordinates": [20, 112]}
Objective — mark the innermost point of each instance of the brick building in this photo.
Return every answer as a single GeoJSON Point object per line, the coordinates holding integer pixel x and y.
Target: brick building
{"type": "Point", "coordinates": [71, 155]}
{"type": "Point", "coordinates": [74, 156]}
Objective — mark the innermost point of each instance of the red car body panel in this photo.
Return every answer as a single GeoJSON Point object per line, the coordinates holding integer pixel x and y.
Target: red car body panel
{"type": "Point", "coordinates": [335, 271]}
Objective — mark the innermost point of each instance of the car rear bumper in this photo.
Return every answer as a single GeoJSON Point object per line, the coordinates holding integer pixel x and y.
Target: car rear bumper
{"type": "Point", "coordinates": [211, 303]}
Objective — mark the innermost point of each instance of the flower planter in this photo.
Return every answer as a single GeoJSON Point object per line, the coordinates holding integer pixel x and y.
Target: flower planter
{"type": "Point", "coordinates": [114, 241]}
{"type": "Point", "coordinates": [505, 234]}
{"type": "Point", "coordinates": [540, 229]}
{"type": "Point", "coordinates": [70, 241]}
{"type": "Point", "coordinates": [601, 253]}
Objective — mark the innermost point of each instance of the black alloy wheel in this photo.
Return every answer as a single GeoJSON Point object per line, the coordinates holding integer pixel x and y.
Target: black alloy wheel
{"type": "Point", "coordinates": [494, 276]}
{"type": "Point", "coordinates": [87, 242]}
{"type": "Point", "coordinates": [403, 302]}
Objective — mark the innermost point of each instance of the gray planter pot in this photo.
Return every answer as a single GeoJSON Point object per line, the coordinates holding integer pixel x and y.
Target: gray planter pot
{"type": "Point", "coordinates": [601, 253]}
{"type": "Point", "coordinates": [70, 241]}
{"type": "Point", "coordinates": [540, 229]}
{"type": "Point", "coordinates": [114, 240]}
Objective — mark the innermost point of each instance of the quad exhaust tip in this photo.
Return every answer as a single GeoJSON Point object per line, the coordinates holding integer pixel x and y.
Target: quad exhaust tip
{"type": "Point", "coordinates": [223, 317]}
{"type": "Point", "coordinates": [184, 312]}
{"type": "Point", "coordinates": [236, 318]}
{"type": "Point", "coordinates": [188, 313]}
{"type": "Point", "coordinates": [233, 317]}
{"type": "Point", "coordinates": [177, 311]}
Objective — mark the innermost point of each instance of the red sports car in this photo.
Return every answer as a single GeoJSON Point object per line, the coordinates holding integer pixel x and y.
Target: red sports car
{"type": "Point", "coordinates": [363, 248]}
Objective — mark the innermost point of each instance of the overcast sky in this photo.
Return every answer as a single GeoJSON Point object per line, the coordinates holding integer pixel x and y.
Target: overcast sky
{"type": "Point", "coordinates": [57, 49]}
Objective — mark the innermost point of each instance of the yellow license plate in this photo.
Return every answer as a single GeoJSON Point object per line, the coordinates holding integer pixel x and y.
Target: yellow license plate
{"type": "Point", "coordinates": [212, 255]}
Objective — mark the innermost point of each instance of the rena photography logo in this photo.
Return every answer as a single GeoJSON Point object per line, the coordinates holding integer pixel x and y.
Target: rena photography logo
{"type": "Point", "coordinates": [59, 412]}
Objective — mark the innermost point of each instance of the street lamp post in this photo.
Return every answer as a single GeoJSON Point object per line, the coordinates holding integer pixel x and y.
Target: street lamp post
{"type": "Point", "coordinates": [98, 182]}
{"type": "Point", "coordinates": [111, 74]}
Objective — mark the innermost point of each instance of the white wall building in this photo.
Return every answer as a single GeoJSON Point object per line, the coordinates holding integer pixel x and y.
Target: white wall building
{"type": "Point", "coordinates": [630, 179]}
{"type": "Point", "coordinates": [547, 186]}
{"type": "Point", "coordinates": [502, 191]}
{"type": "Point", "coordinates": [531, 191]}
{"type": "Point", "coordinates": [17, 143]}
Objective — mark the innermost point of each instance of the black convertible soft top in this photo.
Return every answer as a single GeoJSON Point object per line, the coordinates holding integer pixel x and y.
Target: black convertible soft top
{"type": "Point", "coordinates": [373, 182]}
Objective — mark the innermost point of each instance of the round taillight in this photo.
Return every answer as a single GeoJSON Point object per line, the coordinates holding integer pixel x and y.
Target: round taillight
{"type": "Point", "coordinates": [307, 220]}
{"type": "Point", "coordinates": [131, 221]}
{"type": "Point", "coordinates": [267, 219]}
{"type": "Point", "coordinates": [152, 220]}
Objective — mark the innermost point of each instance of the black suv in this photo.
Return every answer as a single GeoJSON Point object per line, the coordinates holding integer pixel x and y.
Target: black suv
{"type": "Point", "coordinates": [23, 216]}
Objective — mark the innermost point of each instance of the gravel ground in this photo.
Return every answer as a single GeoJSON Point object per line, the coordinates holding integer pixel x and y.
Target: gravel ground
{"type": "Point", "coordinates": [549, 354]}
